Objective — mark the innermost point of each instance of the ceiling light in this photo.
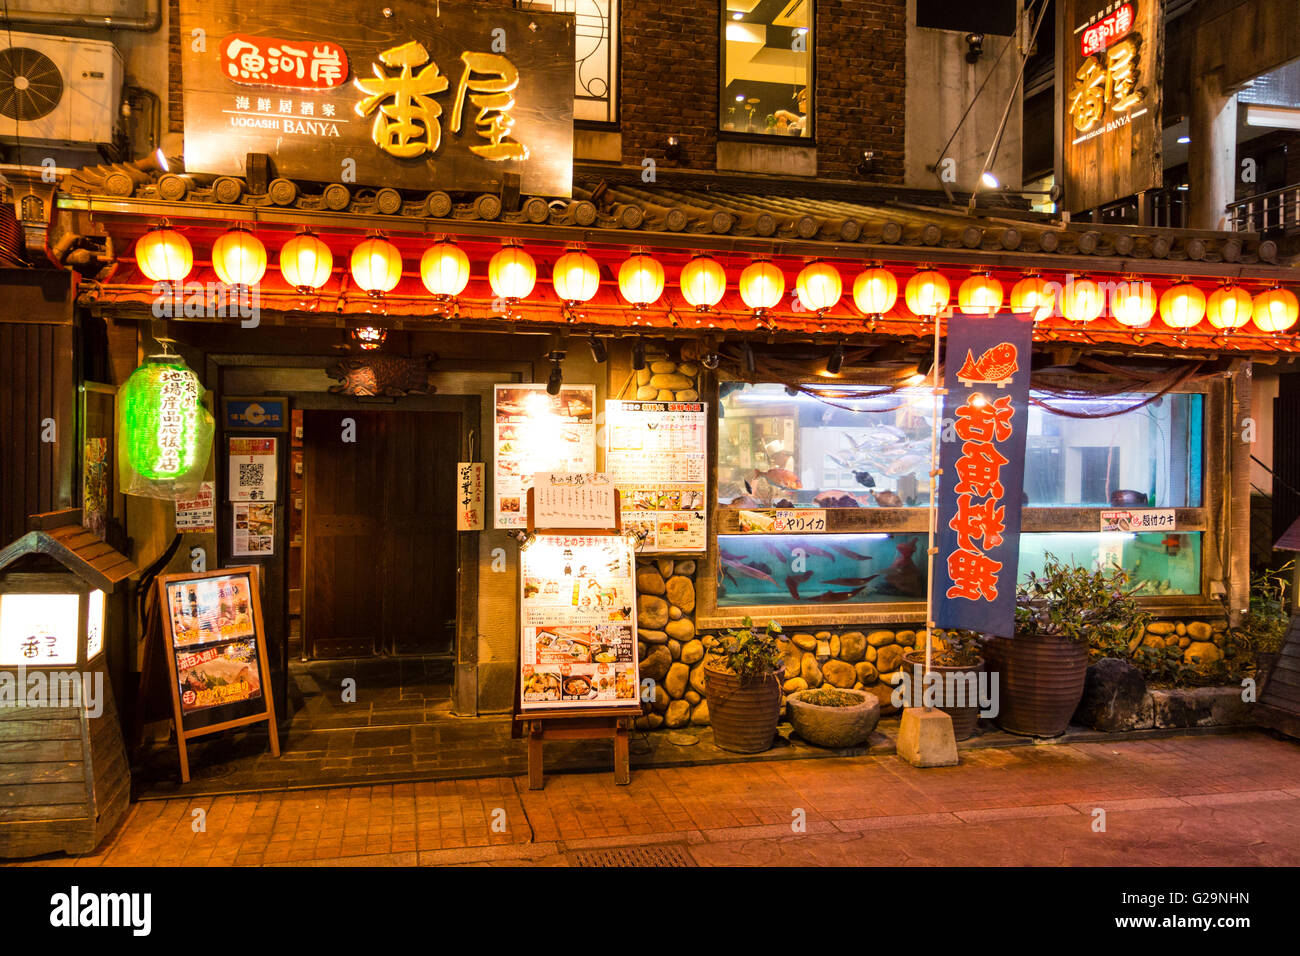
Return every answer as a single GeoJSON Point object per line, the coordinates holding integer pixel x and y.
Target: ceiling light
{"type": "Point", "coordinates": [990, 181]}
{"type": "Point", "coordinates": [1184, 140]}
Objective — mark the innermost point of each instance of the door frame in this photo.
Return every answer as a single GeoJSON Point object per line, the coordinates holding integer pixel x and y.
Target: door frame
{"type": "Point", "coordinates": [466, 408]}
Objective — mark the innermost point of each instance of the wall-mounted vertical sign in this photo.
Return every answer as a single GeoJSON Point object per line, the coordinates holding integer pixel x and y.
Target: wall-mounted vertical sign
{"type": "Point", "coordinates": [986, 374]}
{"type": "Point", "coordinates": [469, 496]}
{"type": "Point", "coordinates": [400, 93]}
{"type": "Point", "coordinates": [1110, 70]}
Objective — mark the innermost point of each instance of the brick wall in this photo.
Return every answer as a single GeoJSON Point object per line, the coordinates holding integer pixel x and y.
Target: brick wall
{"type": "Point", "coordinates": [860, 86]}
{"type": "Point", "coordinates": [670, 81]}
{"type": "Point", "coordinates": [175, 100]}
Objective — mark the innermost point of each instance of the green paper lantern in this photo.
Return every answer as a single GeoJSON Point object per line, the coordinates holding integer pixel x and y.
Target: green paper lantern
{"type": "Point", "coordinates": [164, 434]}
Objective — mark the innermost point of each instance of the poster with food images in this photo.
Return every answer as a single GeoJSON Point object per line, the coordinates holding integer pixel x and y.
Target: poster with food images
{"type": "Point", "coordinates": [537, 432]}
{"type": "Point", "coordinates": [657, 454]}
{"type": "Point", "coordinates": [253, 533]}
{"type": "Point", "coordinates": [213, 676]}
{"type": "Point", "coordinates": [210, 609]}
{"type": "Point", "coordinates": [578, 634]}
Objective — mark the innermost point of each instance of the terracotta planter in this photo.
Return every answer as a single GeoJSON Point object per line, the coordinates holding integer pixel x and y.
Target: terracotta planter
{"type": "Point", "coordinates": [964, 719]}
{"type": "Point", "coordinates": [834, 726]}
{"type": "Point", "coordinates": [1040, 683]}
{"type": "Point", "coordinates": [744, 716]}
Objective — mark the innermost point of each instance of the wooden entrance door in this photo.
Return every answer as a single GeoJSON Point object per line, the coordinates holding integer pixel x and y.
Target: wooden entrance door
{"type": "Point", "coordinates": [379, 573]}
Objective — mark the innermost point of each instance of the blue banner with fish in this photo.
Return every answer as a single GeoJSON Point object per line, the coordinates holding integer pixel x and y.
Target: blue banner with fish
{"type": "Point", "coordinates": [982, 455]}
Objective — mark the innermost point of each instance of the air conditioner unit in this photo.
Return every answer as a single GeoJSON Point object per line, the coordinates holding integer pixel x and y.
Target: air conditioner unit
{"type": "Point", "coordinates": [58, 89]}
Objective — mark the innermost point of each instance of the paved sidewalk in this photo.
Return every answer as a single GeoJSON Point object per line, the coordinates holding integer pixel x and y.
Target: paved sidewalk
{"type": "Point", "coordinates": [1221, 800]}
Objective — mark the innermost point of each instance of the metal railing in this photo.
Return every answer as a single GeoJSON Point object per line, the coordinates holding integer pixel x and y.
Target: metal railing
{"type": "Point", "coordinates": [1272, 212]}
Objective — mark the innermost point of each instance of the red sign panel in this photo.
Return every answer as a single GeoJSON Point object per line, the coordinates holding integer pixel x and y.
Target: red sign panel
{"type": "Point", "coordinates": [1107, 30]}
{"type": "Point", "coordinates": [266, 61]}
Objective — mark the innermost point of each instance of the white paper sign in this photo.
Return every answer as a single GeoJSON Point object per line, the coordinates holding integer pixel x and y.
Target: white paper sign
{"type": "Point", "coordinates": [565, 500]}
{"type": "Point", "coordinates": [198, 514]}
{"type": "Point", "coordinates": [252, 469]}
{"type": "Point", "coordinates": [1138, 520]}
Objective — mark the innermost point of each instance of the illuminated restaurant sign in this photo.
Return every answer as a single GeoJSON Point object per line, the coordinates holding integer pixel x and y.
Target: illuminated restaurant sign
{"type": "Point", "coordinates": [982, 458]}
{"type": "Point", "coordinates": [403, 95]}
{"type": "Point", "coordinates": [1110, 100]}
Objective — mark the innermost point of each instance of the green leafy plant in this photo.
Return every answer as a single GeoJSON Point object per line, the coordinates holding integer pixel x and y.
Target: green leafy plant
{"type": "Point", "coordinates": [1072, 603]}
{"type": "Point", "coordinates": [954, 648]}
{"type": "Point", "coordinates": [829, 697]}
{"type": "Point", "coordinates": [1264, 626]}
{"type": "Point", "coordinates": [750, 656]}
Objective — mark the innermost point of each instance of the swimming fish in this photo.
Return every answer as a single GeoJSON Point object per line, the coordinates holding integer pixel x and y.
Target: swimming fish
{"type": "Point", "coordinates": [832, 597]}
{"type": "Point", "coordinates": [905, 465]}
{"type": "Point", "coordinates": [903, 577]}
{"type": "Point", "coordinates": [849, 553]}
{"type": "Point", "coordinates": [774, 550]}
{"type": "Point", "coordinates": [816, 551]}
{"type": "Point", "coordinates": [852, 582]}
{"type": "Point", "coordinates": [995, 365]}
{"type": "Point", "coordinates": [835, 499]}
{"type": "Point", "coordinates": [860, 474]}
{"type": "Point", "coordinates": [749, 572]}
{"type": "Point", "coordinates": [781, 477]}
{"type": "Point", "coordinates": [887, 499]}
{"type": "Point", "coordinates": [758, 566]}
{"type": "Point", "coordinates": [792, 582]}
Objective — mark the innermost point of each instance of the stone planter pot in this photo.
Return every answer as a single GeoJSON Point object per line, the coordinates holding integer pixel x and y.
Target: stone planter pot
{"type": "Point", "coordinates": [1040, 684]}
{"type": "Point", "coordinates": [964, 719]}
{"type": "Point", "coordinates": [835, 727]}
{"type": "Point", "coordinates": [744, 716]}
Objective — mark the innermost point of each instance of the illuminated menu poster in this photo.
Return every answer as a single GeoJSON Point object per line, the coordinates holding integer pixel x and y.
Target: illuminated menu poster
{"type": "Point", "coordinates": [656, 453]}
{"type": "Point", "coordinates": [578, 634]}
{"type": "Point", "coordinates": [214, 640]}
{"type": "Point", "coordinates": [536, 432]}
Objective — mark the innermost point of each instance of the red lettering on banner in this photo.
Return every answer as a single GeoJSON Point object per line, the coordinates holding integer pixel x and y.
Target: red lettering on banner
{"type": "Point", "coordinates": [979, 523]}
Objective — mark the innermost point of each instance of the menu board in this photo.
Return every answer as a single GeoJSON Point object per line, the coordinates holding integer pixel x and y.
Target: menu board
{"type": "Point", "coordinates": [536, 432]}
{"type": "Point", "coordinates": [213, 624]}
{"type": "Point", "coordinates": [578, 634]}
{"type": "Point", "coordinates": [573, 501]}
{"type": "Point", "coordinates": [657, 454]}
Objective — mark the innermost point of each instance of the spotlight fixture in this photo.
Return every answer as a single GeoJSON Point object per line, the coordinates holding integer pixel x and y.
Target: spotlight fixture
{"type": "Point", "coordinates": [792, 391]}
{"type": "Point", "coordinates": [673, 151]}
{"type": "Point", "coordinates": [369, 337]}
{"type": "Point", "coordinates": [711, 360]}
{"type": "Point", "coordinates": [864, 164]}
{"type": "Point", "coordinates": [924, 364]}
{"type": "Point", "coordinates": [638, 355]}
{"type": "Point", "coordinates": [526, 540]}
{"type": "Point", "coordinates": [836, 360]}
{"type": "Point", "coordinates": [556, 378]}
{"type": "Point", "coordinates": [990, 181]}
{"type": "Point", "coordinates": [974, 47]}
{"type": "Point", "coordinates": [598, 351]}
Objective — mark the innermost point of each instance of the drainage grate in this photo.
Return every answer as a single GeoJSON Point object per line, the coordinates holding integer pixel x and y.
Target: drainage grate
{"type": "Point", "coordinates": [659, 854]}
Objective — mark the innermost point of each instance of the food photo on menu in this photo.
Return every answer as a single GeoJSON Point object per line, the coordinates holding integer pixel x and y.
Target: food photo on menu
{"type": "Point", "coordinates": [210, 610]}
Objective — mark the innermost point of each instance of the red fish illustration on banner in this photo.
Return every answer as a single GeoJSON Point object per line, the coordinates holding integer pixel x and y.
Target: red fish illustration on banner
{"type": "Point", "coordinates": [994, 367]}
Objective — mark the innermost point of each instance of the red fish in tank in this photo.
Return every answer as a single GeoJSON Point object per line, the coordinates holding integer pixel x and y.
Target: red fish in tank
{"type": "Point", "coordinates": [781, 477]}
{"type": "Point", "coordinates": [1173, 543]}
{"type": "Point", "coordinates": [995, 366]}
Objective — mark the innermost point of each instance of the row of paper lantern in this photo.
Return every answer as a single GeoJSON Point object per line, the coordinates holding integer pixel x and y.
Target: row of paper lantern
{"type": "Point", "coordinates": [306, 263]}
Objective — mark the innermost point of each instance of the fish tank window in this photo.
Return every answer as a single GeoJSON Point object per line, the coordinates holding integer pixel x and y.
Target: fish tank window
{"type": "Point", "coordinates": [777, 450]}
{"type": "Point", "coordinates": [837, 569]}
{"type": "Point", "coordinates": [1148, 457]}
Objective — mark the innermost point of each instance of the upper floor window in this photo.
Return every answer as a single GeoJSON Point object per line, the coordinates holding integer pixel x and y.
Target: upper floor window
{"type": "Point", "coordinates": [595, 56]}
{"type": "Point", "coordinates": [767, 67]}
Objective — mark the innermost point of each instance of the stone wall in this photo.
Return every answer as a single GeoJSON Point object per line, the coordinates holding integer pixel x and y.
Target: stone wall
{"type": "Point", "coordinates": [1201, 641]}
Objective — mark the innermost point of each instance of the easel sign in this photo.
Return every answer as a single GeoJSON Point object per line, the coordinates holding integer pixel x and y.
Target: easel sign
{"type": "Point", "coordinates": [578, 673]}
{"type": "Point", "coordinates": [215, 647]}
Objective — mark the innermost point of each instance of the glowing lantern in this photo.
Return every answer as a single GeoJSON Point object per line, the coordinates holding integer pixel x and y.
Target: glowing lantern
{"type": "Point", "coordinates": [1133, 304]}
{"type": "Point", "coordinates": [164, 255]}
{"type": "Point", "coordinates": [1182, 306]}
{"type": "Point", "coordinates": [376, 266]}
{"type": "Point", "coordinates": [761, 286]}
{"type": "Point", "coordinates": [981, 294]}
{"type": "Point", "coordinates": [1229, 307]}
{"type": "Point", "coordinates": [369, 337]}
{"type": "Point", "coordinates": [305, 262]}
{"type": "Point", "coordinates": [927, 293]}
{"type": "Point", "coordinates": [875, 291]}
{"type": "Point", "coordinates": [239, 258]}
{"type": "Point", "coordinates": [1275, 310]}
{"type": "Point", "coordinates": [1034, 294]}
{"type": "Point", "coordinates": [819, 286]}
{"type": "Point", "coordinates": [512, 273]}
{"type": "Point", "coordinates": [444, 269]}
{"type": "Point", "coordinates": [641, 280]}
{"type": "Point", "coordinates": [703, 283]}
{"type": "Point", "coordinates": [1081, 300]}
{"type": "Point", "coordinates": [164, 432]}
{"type": "Point", "coordinates": [576, 277]}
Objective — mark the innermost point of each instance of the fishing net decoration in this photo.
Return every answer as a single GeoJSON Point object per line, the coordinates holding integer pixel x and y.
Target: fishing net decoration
{"type": "Point", "coordinates": [164, 434]}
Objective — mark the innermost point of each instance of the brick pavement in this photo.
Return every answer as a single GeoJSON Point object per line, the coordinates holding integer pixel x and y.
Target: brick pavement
{"type": "Point", "coordinates": [1230, 799]}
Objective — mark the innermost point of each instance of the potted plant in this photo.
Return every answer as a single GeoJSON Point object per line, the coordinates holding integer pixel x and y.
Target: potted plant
{"type": "Point", "coordinates": [831, 717]}
{"type": "Point", "coordinates": [742, 679]}
{"type": "Point", "coordinates": [1042, 669]}
{"type": "Point", "coordinates": [955, 657]}
{"type": "Point", "coordinates": [1263, 628]}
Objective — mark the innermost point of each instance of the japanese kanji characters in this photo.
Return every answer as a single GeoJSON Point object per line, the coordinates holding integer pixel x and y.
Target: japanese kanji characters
{"type": "Point", "coordinates": [1106, 80]}
{"type": "Point", "coordinates": [979, 524]}
{"type": "Point", "coordinates": [491, 92]}
{"type": "Point", "coordinates": [266, 61]}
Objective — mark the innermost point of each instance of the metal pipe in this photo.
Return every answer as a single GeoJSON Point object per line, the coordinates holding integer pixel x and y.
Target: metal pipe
{"type": "Point", "coordinates": [150, 22]}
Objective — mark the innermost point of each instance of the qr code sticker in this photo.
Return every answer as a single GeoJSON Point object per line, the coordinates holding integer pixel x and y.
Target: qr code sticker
{"type": "Point", "coordinates": [251, 475]}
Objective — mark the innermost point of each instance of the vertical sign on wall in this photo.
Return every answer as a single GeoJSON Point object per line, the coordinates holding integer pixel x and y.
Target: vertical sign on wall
{"type": "Point", "coordinates": [986, 375]}
{"type": "Point", "coordinates": [1109, 99]}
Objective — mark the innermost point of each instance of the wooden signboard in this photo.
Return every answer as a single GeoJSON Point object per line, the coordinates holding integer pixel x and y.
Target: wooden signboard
{"type": "Point", "coordinates": [215, 646]}
{"type": "Point", "coordinates": [1110, 67]}
{"type": "Point", "coordinates": [401, 93]}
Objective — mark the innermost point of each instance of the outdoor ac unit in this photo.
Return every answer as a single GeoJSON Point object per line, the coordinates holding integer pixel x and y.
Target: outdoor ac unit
{"type": "Point", "coordinates": [58, 89]}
